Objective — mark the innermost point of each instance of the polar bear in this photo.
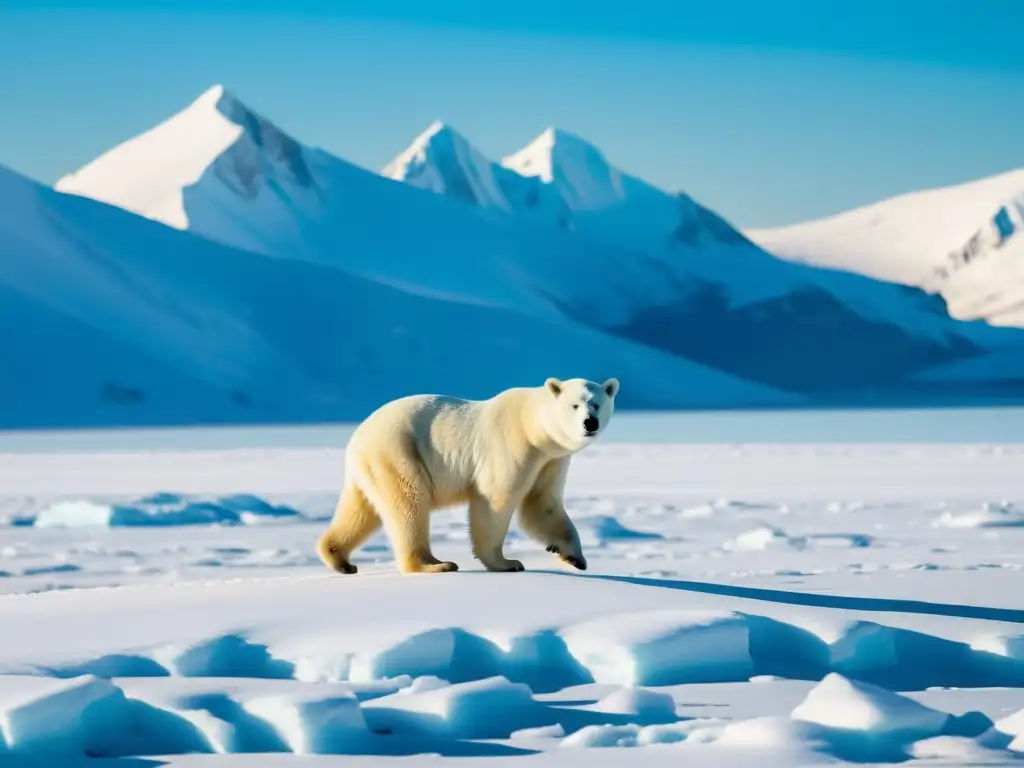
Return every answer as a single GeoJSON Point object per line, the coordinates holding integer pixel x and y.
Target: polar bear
{"type": "Point", "coordinates": [421, 453]}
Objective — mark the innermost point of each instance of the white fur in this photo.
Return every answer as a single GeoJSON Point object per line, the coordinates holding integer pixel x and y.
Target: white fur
{"type": "Point", "coordinates": [425, 452]}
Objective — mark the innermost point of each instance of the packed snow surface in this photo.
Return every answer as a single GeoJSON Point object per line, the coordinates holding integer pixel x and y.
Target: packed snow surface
{"type": "Point", "coordinates": [807, 604]}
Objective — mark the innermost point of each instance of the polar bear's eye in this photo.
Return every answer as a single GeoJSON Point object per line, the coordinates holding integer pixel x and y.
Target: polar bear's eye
{"type": "Point", "coordinates": [597, 407]}
{"type": "Point", "coordinates": [575, 406]}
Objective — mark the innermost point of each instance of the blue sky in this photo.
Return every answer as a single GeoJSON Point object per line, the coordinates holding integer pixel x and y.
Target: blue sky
{"type": "Point", "coordinates": [769, 111]}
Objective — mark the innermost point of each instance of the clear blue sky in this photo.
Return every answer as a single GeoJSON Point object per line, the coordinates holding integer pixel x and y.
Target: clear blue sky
{"type": "Point", "coordinates": [769, 111]}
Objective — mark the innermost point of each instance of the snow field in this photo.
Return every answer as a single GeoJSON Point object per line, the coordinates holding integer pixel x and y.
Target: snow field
{"type": "Point", "coordinates": [807, 604]}
{"type": "Point", "coordinates": [394, 684]}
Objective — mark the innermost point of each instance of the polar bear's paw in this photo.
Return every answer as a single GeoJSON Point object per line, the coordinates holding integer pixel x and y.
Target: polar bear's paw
{"type": "Point", "coordinates": [415, 565]}
{"type": "Point", "coordinates": [578, 563]}
{"type": "Point", "coordinates": [446, 566]}
{"type": "Point", "coordinates": [504, 566]}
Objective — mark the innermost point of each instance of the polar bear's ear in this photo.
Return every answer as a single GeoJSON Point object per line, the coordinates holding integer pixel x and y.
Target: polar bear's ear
{"type": "Point", "coordinates": [611, 387]}
{"type": "Point", "coordinates": [554, 386]}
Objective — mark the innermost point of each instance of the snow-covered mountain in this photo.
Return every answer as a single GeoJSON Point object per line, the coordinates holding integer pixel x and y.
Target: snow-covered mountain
{"type": "Point", "coordinates": [562, 180]}
{"type": "Point", "coordinates": [963, 242]}
{"type": "Point", "coordinates": [552, 232]}
{"type": "Point", "coordinates": [108, 318]}
{"type": "Point", "coordinates": [441, 160]}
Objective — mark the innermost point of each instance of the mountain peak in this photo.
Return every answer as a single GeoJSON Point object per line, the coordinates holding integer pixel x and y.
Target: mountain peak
{"type": "Point", "coordinates": [559, 137]}
{"type": "Point", "coordinates": [442, 160]}
{"type": "Point", "coordinates": [215, 99]}
{"type": "Point", "coordinates": [217, 104]}
{"type": "Point", "coordinates": [584, 177]}
{"type": "Point", "coordinates": [437, 128]}
{"type": "Point", "coordinates": [215, 137]}
{"type": "Point", "coordinates": [212, 95]}
{"type": "Point", "coordinates": [438, 138]}
{"type": "Point", "coordinates": [553, 152]}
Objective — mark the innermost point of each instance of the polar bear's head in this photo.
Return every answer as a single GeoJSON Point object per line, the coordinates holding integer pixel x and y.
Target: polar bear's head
{"type": "Point", "coordinates": [578, 410]}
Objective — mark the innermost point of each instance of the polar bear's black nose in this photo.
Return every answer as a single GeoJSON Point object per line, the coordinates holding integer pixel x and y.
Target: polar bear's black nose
{"type": "Point", "coordinates": [591, 424]}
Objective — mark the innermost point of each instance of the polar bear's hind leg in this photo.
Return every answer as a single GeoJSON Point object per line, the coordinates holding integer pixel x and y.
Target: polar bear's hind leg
{"type": "Point", "coordinates": [355, 520]}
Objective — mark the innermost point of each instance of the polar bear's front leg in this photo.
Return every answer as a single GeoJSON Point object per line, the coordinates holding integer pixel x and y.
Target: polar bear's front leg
{"type": "Point", "coordinates": [488, 527]}
{"type": "Point", "coordinates": [543, 516]}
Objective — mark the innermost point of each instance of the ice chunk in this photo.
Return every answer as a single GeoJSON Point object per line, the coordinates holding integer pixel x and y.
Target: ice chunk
{"type": "Point", "coordinates": [1011, 646]}
{"type": "Point", "coordinates": [762, 538]}
{"type": "Point", "coordinates": [312, 723]}
{"type": "Point", "coordinates": [492, 708]}
{"type": "Point", "coordinates": [229, 655]}
{"type": "Point", "coordinates": [990, 515]}
{"type": "Point", "coordinates": [850, 705]}
{"type": "Point", "coordinates": [447, 653]}
{"type": "Point", "coordinates": [663, 647]}
{"type": "Point", "coordinates": [48, 716]}
{"type": "Point", "coordinates": [161, 510]}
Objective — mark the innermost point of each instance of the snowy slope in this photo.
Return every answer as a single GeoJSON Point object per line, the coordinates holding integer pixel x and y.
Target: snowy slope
{"type": "Point", "coordinates": [89, 292]}
{"type": "Point", "coordinates": [961, 241]}
{"type": "Point", "coordinates": [628, 259]}
{"type": "Point", "coordinates": [997, 371]}
{"type": "Point", "coordinates": [78, 331]}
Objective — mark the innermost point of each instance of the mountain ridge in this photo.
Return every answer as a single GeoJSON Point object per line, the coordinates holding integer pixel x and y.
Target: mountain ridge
{"type": "Point", "coordinates": [961, 241]}
{"type": "Point", "coordinates": [112, 319]}
{"type": "Point", "coordinates": [627, 259]}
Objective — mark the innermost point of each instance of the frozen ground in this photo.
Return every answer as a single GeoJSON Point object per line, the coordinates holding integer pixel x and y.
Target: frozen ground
{"type": "Point", "coordinates": [792, 604]}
